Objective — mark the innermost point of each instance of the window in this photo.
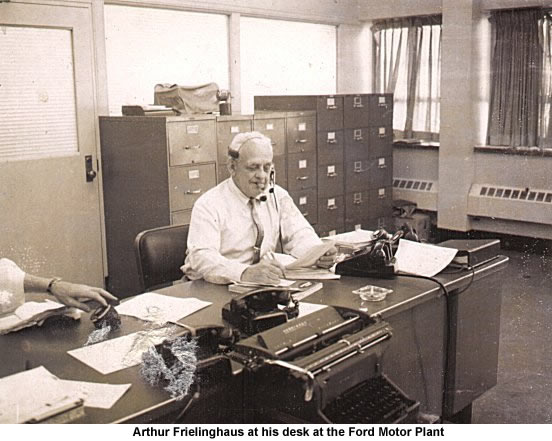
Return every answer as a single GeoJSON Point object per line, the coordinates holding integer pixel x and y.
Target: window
{"type": "Point", "coordinates": [408, 65]}
{"type": "Point", "coordinates": [286, 58]}
{"type": "Point", "coordinates": [145, 47]}
{"type": "Point", "coordinates": [521, 78]}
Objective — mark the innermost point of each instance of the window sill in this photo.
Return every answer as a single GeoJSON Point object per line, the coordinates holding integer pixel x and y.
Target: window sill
{"type": "Point", "coordinates": [520, 151]}
{"type": "Point", "coordinates": [416, 144]}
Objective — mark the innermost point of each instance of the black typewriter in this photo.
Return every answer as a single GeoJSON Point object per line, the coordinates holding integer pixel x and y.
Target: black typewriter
{"type": "Point", "coordinates": [323, 367]}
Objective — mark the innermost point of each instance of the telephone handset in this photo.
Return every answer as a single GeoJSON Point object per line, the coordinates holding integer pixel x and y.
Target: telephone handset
{"type": "Point", "coordinates": [261, 309]}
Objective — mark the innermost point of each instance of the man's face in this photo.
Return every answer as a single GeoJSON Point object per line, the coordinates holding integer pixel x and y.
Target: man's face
{"type": "Point", "coordinates": [251, 171]}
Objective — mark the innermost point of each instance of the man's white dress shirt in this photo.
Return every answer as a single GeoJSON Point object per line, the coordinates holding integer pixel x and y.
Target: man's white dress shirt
{"type": "Point", "coordinates": [12, 292]}
{"type": "Point", "coordinates": [222, 232]}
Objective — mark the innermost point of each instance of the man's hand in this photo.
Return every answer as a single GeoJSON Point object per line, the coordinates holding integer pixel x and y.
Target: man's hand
{"type": "Point", "coordinates": [266, 272]}
{"type": "Point", "coordinates": [73, 294]}
{"type": "Point", "coordinates": [328, 259]}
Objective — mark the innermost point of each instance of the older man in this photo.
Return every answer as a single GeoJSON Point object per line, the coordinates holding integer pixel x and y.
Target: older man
{"type": "Point", "coordinates": [245, 218]}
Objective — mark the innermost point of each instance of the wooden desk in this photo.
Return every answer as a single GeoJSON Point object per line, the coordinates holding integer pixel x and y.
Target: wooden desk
{"type": "Point", "coordinates": [415, 359]}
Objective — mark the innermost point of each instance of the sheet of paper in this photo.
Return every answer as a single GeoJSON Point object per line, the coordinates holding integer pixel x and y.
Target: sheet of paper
{"type": "Point", "coordinates": [122, 352]}
{"type": "Point", "coordinates": [311, 256]}
{"type": "Point", "coordinates": [354, 237]}
{"type": "Point", "coordinates": [284, 283]}
{"type": "Point", "coordinates": [309, 308]}
{"type": "Point", "coordinates": [29, 309]}
{"type": "Point", "coordinates": [422, 259]}
{"type": "Point", "coordinates": [35, 393]}
{"type": "Point", "coordinates": [311, 274]}
{"type": "Point", "coordinates": [158, 308]}
{"type": "Point", "coordinates": [101, 395]}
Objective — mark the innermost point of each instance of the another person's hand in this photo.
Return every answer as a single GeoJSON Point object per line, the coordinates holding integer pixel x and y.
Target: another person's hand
{"type": "Point", "coordinates": [73, 294]}
{"type": "Point", "coordinates": [328, 259]}
{"type": "Point", "coordinates": [267, 272]}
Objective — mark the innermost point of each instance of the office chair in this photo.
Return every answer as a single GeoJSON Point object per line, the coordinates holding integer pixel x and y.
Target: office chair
{"type": "Point", "coordinates": [160, 253]}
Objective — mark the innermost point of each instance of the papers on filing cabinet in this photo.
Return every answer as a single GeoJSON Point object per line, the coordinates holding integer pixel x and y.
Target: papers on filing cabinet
{"type": "Point", "coordinates": [159, 308]}
{"type": "Point", "coordinates": [422, 259]}
{"type": "Point", "coordinates": [100, 395]}
{"type": "Point", "coordinates": [35, 395]}
{"type": "Point", "coordinates": [122, 352]}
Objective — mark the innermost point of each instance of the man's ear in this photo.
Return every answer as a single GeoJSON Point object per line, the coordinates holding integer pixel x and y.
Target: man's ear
{"type": "Point", "coordinates": [231, 165]}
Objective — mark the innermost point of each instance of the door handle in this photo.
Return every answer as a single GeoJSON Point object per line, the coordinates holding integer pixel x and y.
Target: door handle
{"type": "Point", "coordinates": [89, 169]}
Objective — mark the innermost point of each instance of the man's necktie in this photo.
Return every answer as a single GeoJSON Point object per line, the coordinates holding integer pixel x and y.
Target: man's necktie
{"type": "Point", "coordinates": [260, 232]}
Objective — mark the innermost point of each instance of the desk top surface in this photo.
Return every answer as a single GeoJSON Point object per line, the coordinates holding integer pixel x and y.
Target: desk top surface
{"type": "Point", "coordinates": [48, 345]}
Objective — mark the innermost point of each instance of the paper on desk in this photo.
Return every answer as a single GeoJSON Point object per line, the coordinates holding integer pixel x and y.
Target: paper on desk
{"type": "Point", "coordinates": [422, 259]}
{"type": "Point", "coordinates": [33, 394]}
{"type": "Point", "coordinates": [101, 395]}
{"type": "Point", "coordinates": [122, 352]}
{"type": "Point", "coordinates": [30, 309]}
{"type": "Point", "coordinates": [311, 256]}
{"type": "Point", "coordinates": [159, 308]}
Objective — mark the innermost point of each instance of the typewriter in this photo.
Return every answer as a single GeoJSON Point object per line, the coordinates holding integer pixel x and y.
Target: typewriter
{"type": "Point", "coordinates": [321, 368]}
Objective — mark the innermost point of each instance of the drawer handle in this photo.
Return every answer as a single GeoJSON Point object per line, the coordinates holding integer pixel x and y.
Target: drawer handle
{"type": "Point", "coordinates": [381, 135]}
{"type": "Point", "coordinates": [301, 141]}
{"type": "Point", "coordinates": [274, 143]}
{"type": "Point", "coordinates": [332, 207]}
{"type": "Point", "coordinates": [358, 138]}
{"type": "Point", "coordinates": [331, 107]}
{"type": "Point", "coordinates": [360, 170]}
{"type": "Point", "coordinates": [332, 175]}
{"type": "Point", "coordinates": [358, 105]}
{"type": "Point", "coordinates": [193, 191]}
{"type": "Point", "coordinates": [357, 202]}
{"type": "Point", "coordinates": [382, 166]}
{"type": "Point", "coordinates": [302, 178]}
{"type": "Point", "coordinates": [382, 196]}
{"type": "Point", "coordinates": [332, 141]}
{"type": "Point", "coordinates": [306, 213]}
{"type": "Point", "coordinates": [192, 147]}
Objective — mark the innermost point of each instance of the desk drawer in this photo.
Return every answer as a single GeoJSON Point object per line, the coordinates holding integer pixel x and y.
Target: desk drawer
{"type": "Point", "coordinates": [191, 142]}
{"type": "Point", "coordinates": [367, 110]}
{"type": "Point", "coordinates": [330, 180]}
{"type": "Point", "coordinates": [301, 171]}
{"type": "Point", "coordinates": [357, 143]}
{"type": "Point", "coordinates": [275, 129]}
{"type": "Point", "coordinates": [329, 112]}
{"type": "Point", "coordinates": [307, 204]}
{"type": "Point", "coordinates": [381, 141]}
{"type": "Point", "coordinates": [357, 175]}
{"type": "Point", "coordinates": [331, 210]}
{"type": "Point", "coordinates": [330, 147]}
{"type": "Point", "coordinates": [301, 134]}
{"type": "Point", "coordinates": [181, 217]}
{"type": "Point", "coordinates": [188, 183]}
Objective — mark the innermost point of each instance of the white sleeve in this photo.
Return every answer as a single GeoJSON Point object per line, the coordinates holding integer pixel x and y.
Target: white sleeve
{"type": "Point", "coordinates": [298, 236]}
{"type": "Point", "coordinates": [204, 259]}
{"type": "Point", "coordinates": [12, 280]}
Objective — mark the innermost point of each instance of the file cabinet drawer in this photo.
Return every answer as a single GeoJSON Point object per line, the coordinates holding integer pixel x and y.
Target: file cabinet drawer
{"type": "Point", "coordinates": [357, 143]}
{"type": "Point", "coordinates": [188, 183]}
{"type": "Point", "coordinates": [329, 112]}
{"type": "Point", "coordinates": [371, 224]}
{"type": "Point", "coordinates": [329, 230]}
{"type": "Point", "coordinates": [191, 142]}
{"type": "Point", "coordinates": [357, 175]}
{"type": "Point", "coordinates": [301, 134]}
{"type": "Point", "coordinates": [275, 129]}
{"type": "Point", "coordinates": [367, 110]}
{"type": "Point", "coordinates": [381, 203]}
{"type": "Point", "coordinates": [330, 147]}
{"type": "Point", "coordinates": [331, 210]}
{"type": "Point", "coordinates": [381, 172]}
{"type": "Point", "coordinates": [357, 206]}
{"type": "Point", "coordinates": [280, 170]}
{"type": "Point", "coordinates": [330, 180]}
{"type": "Point", "coordinates": [301, 171]}
{"type": "Point", "coordinates": [307, 204]}
{"type": "Point", "coordinates": [226, 130]}
{"type": "Point", "coordinates": [181, 217]}
{"type": "Point", "coordinates": [381, 141]}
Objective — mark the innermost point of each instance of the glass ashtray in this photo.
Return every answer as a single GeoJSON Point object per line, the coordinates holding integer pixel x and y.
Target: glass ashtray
{"type": "Point", "coordinates": [372, 293]}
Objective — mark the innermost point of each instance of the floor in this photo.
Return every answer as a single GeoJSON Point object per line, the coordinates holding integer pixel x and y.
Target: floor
{"type": "Point", "coordinates": [524, 390]}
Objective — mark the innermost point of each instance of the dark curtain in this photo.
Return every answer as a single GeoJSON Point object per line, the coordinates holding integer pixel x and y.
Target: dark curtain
{"type": "Point", "coordinates": [516, 72]}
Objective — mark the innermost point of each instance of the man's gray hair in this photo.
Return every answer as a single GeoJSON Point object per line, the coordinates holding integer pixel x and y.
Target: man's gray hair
{"type": "Point", "coordinates": [241, 138]}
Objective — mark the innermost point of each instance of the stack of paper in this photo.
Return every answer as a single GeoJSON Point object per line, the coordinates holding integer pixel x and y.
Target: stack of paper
{"type": "Point", "coordinates": [29, 314]}
{"type": "Point", "coordinates": [353, 240]}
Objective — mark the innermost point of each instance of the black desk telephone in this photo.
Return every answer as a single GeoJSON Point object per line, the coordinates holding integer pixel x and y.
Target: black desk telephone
{"type": "Point", "coordinates": [261, 309]}
{"type": "Point", "coordinates": [377, 259]}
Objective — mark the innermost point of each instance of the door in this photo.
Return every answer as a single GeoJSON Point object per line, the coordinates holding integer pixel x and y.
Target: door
{"type": "Point", "coordinates": [49, 212]}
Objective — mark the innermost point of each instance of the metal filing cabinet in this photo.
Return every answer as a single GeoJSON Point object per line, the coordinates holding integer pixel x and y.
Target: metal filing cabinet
{"type": "Point", "coordinates": [153, 170]}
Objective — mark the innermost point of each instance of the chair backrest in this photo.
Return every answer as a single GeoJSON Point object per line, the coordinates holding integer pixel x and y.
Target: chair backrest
{"type": "Point", "coordinates": [160, 253]}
